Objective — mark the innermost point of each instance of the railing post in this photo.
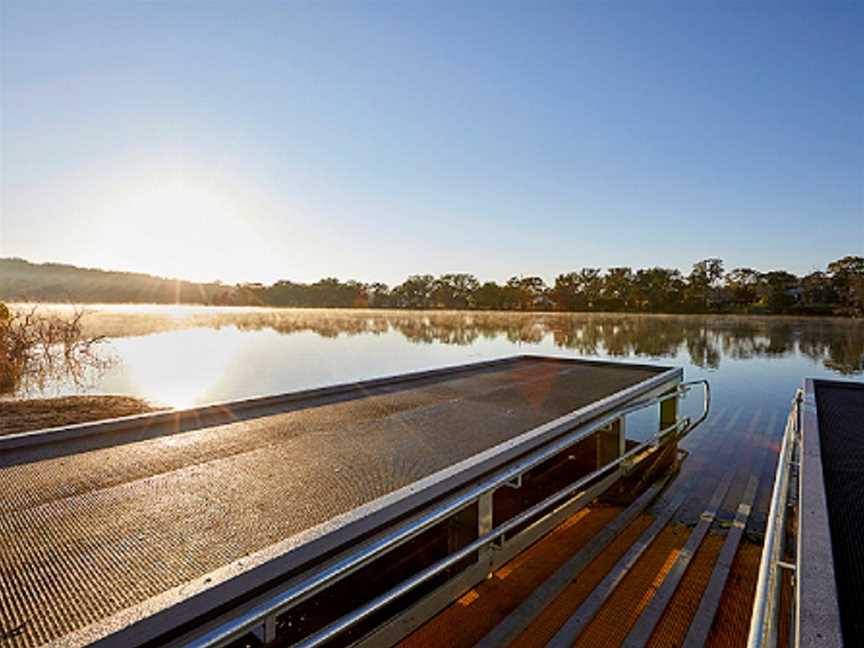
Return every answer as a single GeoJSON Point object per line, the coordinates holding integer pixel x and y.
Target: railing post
{"type": "Point", "coordinates": [266, 632]}
{"type": "Point", "coordinates": [668, 412]}
{"type": "Point", "coordinates": [485, 522]}
{"type": "Point", "coordinates": [668, 418]}
{"type": "Point", "coordinates": [270, 629]}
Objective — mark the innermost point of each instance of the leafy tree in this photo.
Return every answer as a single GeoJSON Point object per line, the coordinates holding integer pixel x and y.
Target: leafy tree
{"type": "Point", "coordinates": [567, 292]}
{"type": "Point", "coordinates": [618, 288]}
{"type": "Point", "coordinates": [742, 284]}
{"type": "Point", "coordinates": [489, 296]}
{"type": "Point", "coordinates": [591, 285]}
{"type": "Point", "coordinates": [455, 290]}
{"type": "Point", "coordinates": [777, 290]}
{"type": "Point", "coordinates": [525, 292]}
{"type": "Point", "coordinates": [659, 289]}
{"type": "Point", "coordinates": [817, 291]}
{"type": "Point", "coordinates": [415, 292]}
{"type": "Point", "coordinates": [379, 295]}
{"type": "Point", "coordinates": [847, 278]}
{"type": "Point", "coordinates": [703, 282]}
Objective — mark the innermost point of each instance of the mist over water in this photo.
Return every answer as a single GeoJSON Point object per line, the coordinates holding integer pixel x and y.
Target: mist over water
{"type": "Point", "coordinates": [186, 355]}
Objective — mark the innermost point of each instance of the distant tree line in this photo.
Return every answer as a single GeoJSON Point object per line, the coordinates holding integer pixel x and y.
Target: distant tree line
{"type": "Point", "coordinates": [707, 288]}
{"type": "Point", "coordinates": [839, 290]}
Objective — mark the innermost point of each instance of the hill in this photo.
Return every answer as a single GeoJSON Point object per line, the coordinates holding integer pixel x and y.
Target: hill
{"type": "Point", "coordinates": [22, 280]}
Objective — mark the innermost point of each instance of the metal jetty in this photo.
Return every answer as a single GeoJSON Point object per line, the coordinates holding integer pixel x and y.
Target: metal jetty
{"type": "Point", "coordinates": [811, 576]}
{"type": "Point", "coordinates": [347, 514]}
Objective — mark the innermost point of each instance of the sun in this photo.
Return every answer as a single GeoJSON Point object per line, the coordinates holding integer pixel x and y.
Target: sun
{"type": "Point", "coordinates": [183, 227]}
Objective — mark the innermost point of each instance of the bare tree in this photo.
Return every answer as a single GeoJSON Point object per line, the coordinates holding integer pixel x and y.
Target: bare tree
{"type": "Point", "coordinates": [38, 347]}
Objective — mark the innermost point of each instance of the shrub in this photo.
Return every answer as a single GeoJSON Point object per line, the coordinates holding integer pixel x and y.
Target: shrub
{"type": "Point", "coordinates": [38, 347]}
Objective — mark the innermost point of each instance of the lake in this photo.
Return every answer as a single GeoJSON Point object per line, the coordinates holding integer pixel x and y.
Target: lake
{"type": "Point", "coordinates": [186, 355]}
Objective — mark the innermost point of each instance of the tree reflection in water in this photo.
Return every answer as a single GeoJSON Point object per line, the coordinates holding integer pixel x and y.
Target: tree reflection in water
{"type": "Point", "coordinates": [836, 343]}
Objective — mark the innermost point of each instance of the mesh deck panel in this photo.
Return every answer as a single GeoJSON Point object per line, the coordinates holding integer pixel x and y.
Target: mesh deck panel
{"type": "Point", "coordinates": [841, 434]}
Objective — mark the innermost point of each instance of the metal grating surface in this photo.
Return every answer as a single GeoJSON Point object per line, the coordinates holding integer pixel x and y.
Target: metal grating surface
{"type": "Point", "coordinates": [86, 536]}
{"type": "Point", "coordinates": [732, 623]}
{"type": "Point", "coordinates": [675, 622]}
{"type": "Point", "coordinates": [467, 621]}
{"type": "Point", "coordinates": [633, 594]}
{"type": "Point", "coordinates": [841, 434]}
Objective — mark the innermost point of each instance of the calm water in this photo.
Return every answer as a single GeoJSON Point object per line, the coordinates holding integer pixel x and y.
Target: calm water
{"type": "Point", "coordinates": [181, 356]}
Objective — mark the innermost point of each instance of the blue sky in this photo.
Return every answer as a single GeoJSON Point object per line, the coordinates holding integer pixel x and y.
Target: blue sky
{"type": "Point", "coordinates": [256, 141]}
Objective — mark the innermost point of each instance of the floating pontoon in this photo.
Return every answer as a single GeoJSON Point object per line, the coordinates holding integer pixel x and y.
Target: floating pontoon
{"type": "Point", "coordinates": [344, 514]}
{"type": "Point", "coordinates": [811, 578]}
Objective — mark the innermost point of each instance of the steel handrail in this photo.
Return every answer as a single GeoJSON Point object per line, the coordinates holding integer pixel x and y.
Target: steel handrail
{"type": "Point", "coordinates": [764, 620]}
{"type": "Point", "coordinates": [406, 586]}
{"type": "Point", "coordinates": [278, 604]}
{"type": "Point", "coordinates": [685, 387]}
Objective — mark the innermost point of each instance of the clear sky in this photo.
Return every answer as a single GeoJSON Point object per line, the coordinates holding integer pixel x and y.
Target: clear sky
{"type": "Point", "coordinates": [372, 140]}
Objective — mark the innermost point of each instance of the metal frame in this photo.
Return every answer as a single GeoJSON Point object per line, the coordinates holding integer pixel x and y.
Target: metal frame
{"type": "Point", "coordinates": [263, 614]}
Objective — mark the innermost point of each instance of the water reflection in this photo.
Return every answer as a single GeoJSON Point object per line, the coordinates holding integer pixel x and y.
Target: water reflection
{"type": "Point", "coordinates": [837, 344]}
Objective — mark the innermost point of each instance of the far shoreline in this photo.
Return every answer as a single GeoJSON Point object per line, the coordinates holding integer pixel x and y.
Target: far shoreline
{"type": "Point", "coordinates": [372, 309]}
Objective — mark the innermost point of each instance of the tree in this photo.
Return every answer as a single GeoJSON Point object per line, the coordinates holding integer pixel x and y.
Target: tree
{"type": "Point", "coordinates": [415, 292]}
{"type": "Point", "coordinates": [742, 283]}
{"type": "Point", "coordinates": [778, 290]}
{"type": "Point", "coordinates": [658, 289]}
{"type": "Point", "coordinates": [817, 292]}
{"type": "Point", "coordinates": [37, 347]}
{"type": "Point", "coordinates": [591, 286]}
{"type": "Point", "coordinates": [855, 296]}
{"type": "Point", "coordinates": [567, 292]}
{"type": "Point", "coordinates": [525, 292]}
{"type": "Point", "coordinates": [847, 278]}
{"type": "Point", "coordinates": [489, 296]}
{"type": "Point", "coordinates": [703, 282]}
{"type": "Point", "coordinates": [7, 367]}
{"type": "Point", "coordinates": [617, 288]}
{"type": "Point", "coordinates": [455, 290]}
{"type": "Point", "coordinates": [379, 295]}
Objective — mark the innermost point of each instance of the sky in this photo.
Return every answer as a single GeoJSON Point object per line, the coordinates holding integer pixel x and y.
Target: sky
{"type": "Point", "coordinates": [373, 140]}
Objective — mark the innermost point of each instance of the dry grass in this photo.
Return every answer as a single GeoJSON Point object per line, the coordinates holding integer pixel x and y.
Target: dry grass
{"type": "Point", "coordinates": [39, 413]}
